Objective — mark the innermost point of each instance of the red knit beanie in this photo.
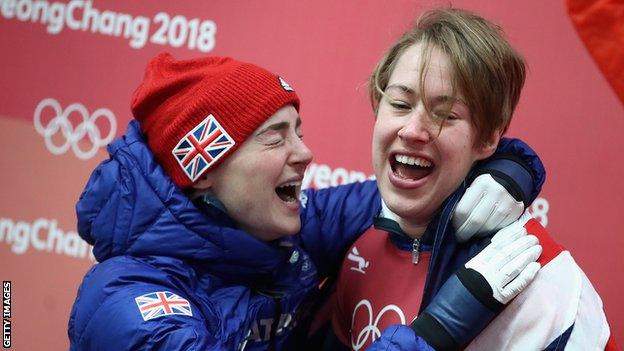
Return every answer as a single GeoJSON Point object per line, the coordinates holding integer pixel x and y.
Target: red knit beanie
{"type": "Point", "coordinates": [195, 113]}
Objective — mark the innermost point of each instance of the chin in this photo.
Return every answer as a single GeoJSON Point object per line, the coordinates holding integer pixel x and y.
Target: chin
{"type": "Point", "coordinates": [287, 228]}
{"type": "Point", "coordinates": [405, 207]}
{"type": "Point", "coordinates": [293, 229]}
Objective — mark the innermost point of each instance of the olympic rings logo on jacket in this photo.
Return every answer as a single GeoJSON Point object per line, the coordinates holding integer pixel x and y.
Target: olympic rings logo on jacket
{"type": "Point", "coordinates": [72, 135]}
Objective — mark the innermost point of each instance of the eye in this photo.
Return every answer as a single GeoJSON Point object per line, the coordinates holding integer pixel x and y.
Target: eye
{"type": "Point", "coordinates": [274, 139]}
{"type": "Point", "coordinates": [400, 105]}
{"type": "Point", "coordinates": [444, 115]}
{"type": "Point", "coordinates": [271, 137]}
{"type": "Point", "coordinates": [274, 142]}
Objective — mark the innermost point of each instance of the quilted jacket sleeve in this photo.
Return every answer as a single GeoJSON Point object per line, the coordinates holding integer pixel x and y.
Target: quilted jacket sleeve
{"type": "Point", "coordinates": [399, 338]}
{"type": "Point", "coordinates": [333, 218]}
{"type": "Point", "coordinates": [107, 315]}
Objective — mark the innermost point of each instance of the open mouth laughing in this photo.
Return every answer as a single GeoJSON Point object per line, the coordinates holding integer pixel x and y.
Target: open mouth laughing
{"type": "Point", "coordinates": [289, 191]}
{"type": "Point", "coordinates": [411, 168]}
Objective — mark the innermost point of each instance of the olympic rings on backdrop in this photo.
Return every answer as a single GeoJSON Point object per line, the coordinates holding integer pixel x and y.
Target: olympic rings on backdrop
{"type": "Point", "coordinates": [372, 327]}
{"type": "Point", "coordinates": [72, 135]}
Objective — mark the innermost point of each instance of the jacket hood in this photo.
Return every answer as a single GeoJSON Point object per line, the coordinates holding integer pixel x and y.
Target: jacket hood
{"type": "Point", "coordinates": [131, 207]}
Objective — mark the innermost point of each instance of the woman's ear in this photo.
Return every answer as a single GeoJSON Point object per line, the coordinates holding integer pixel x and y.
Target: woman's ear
{"type": "Point", "coordinates": [489, 147]}
{"type": "Point", "coordinates": [204, 183]}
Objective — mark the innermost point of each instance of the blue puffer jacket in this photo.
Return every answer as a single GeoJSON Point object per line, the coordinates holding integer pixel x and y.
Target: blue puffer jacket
{"type": "Point", "coordinates": [172, 277]}
{"type": "Point", "coordinates": [149, 238]}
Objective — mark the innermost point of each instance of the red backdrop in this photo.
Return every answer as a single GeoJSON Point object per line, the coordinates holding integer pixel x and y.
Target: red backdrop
{"type": "Point", "coordinates": [82, 60]}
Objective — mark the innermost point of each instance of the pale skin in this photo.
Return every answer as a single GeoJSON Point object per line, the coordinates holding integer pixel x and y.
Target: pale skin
{"type": "Point", "coordinates": [260, 182]}
{"type": "Point", "coordinates": [405, 136]}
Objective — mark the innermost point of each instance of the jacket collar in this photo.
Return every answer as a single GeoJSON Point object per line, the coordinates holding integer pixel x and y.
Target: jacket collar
{"type": "Point", "coordinates": [447, 254]}
{"type": "Point", "coordinates": [388, 221]}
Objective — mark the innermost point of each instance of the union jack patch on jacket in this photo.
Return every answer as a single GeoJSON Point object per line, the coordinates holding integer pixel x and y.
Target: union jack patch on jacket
{"type": "Point", "coordinates": [201, 147]}
{"type": "Point", "coordinates": [162, 303]}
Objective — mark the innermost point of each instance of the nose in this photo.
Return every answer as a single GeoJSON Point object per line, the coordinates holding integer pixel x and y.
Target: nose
{"type": "Point", "coordinates": [301, 154]}
{"type": "Point", "coordinates": [418, 127]}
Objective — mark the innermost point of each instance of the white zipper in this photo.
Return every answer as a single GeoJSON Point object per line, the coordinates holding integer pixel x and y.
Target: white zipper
{"type": "Point", "coordinates": [415, 251]}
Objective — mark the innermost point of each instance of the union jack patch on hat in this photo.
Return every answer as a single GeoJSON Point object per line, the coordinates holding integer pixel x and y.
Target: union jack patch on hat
{"type": "Point", "coordinates": [201, 147]}
{"type": "Point", "coordinates": [162, 303]}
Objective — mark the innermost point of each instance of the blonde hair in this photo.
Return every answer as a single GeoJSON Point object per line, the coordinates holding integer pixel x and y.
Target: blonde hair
{"type": "Point", "coordinates": [486, 69]}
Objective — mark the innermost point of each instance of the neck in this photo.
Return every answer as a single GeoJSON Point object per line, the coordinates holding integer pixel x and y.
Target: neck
{"type": "Point", "coordinates": [412, 229]}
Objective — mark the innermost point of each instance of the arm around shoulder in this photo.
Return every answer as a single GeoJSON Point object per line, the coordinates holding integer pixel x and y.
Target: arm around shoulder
{"type": "Point", "coordinates": [517, 167]}
{"type": "Point", "coordinates": [332, 218]}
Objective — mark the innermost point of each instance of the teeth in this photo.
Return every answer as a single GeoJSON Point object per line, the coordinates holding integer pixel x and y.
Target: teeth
{"type": "Point", "coordinates": [295, 183]}
{"type": "Point", "coordinates": [410, 160]}
{"type": "Point", "coordinates": [288, 192]}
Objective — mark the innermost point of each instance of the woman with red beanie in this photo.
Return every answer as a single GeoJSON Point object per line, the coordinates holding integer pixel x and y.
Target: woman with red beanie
{"type": "Point", "coordinates": [195, 217]}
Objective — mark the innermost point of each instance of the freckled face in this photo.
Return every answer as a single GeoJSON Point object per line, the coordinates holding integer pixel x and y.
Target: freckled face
{"type": "Point", "coordinates": [417, 168]}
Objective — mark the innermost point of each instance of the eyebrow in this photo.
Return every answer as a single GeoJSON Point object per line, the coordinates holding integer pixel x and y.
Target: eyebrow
{"type": "Point", "coordinates": [445, 99]}
{"type": "Point", "coordinates": [438, 99]}
{"type": "Point", "coordinates": [403, 88]}
{"type": "Point", "coordinates": [278, 126]}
